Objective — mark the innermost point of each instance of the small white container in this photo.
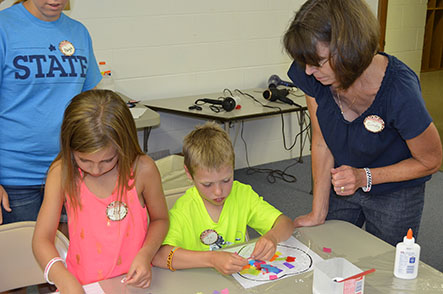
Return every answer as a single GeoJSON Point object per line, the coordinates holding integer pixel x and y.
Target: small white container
{"type": "Point", "coordinates": [107, 81]}
{"type": "Point", "coordinates": [328, 272]}
{"type": "Point", "coordinates": [407, 256]}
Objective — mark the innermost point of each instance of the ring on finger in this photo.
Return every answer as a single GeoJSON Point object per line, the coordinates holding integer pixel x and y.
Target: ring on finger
{"type": "Point", "coordinates": [342, 189]}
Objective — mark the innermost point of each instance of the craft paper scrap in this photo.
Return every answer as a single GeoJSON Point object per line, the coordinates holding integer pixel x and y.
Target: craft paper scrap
{"type": "Point", "coordinates": [292, 258]}
{"type": "Point", "coordinates": [224, 291]}
{"type": "Point", "coordinates": [93, 288]}
{"type": "Point", "coordinates": [327, 250]}
{"type": "Point", "coordinates": [137, 112]}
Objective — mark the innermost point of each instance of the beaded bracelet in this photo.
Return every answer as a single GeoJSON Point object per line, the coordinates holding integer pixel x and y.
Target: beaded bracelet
{"type": "Point", "coordinates": [48, 268]}
{"type": "Point", "coordinates": [368, 180]}
{"type": "Point", "coordinates": [169, 260]}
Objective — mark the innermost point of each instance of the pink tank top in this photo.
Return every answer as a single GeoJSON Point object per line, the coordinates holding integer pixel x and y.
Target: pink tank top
{"type": "Point", "coordinates": [103, 239]}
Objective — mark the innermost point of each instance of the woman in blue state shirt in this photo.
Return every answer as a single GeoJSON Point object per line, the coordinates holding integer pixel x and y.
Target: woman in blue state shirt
{"type": "Point", "coordinates": [46, 58]}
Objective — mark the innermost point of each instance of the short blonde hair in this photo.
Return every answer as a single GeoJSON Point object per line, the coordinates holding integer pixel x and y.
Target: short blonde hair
{"type": "Point", "coordinates": [208, 147]}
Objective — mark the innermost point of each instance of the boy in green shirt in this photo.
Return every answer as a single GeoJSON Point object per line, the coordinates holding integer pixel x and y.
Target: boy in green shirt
{"type": "Point", "coordinates": [215, 212]}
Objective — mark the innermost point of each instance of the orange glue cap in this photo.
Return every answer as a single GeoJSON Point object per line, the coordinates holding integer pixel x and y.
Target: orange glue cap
{"type": "Point", "coordinates": [409, 235]}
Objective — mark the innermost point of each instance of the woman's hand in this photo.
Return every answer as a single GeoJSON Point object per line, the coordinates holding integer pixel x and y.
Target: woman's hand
{"type": "Point", "coordinates": [227, 263]}
{"type": "Point", "coordinates": [346, 179]}
{"type": "Point", "coordinates": [308, 220]}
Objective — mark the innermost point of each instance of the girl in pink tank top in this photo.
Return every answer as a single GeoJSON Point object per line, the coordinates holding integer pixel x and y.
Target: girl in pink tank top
{"type": "Point", "coordinates": [110, 189]}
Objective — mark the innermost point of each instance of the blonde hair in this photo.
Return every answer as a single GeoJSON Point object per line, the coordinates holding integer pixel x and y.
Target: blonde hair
{"type": "Point", "coordinates": [94, 120]}
{"type": "Point", "coordinates": [347, 27]}
{"type": "Point", "coordinates": [208, 147]}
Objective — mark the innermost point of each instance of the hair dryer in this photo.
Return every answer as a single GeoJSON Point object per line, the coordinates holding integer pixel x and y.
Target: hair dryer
{"type": "Point", "coordinates": [274, 94]}
{"type": "Point", "coordinates": [275, 81]}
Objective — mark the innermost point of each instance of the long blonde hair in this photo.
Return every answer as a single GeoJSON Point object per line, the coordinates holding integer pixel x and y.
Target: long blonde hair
{"type": "Point", "coordinates": [94, 120]}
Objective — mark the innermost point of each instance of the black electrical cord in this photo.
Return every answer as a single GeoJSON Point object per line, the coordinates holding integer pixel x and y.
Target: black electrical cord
{"type": "Point", "coordinates": [282, 121]}
{"type": "Point", "coordinates": [273, 175]}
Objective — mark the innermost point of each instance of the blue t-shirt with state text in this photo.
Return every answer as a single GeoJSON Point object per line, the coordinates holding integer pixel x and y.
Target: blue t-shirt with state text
{"type": "Point", "coordinates": [43, 66]}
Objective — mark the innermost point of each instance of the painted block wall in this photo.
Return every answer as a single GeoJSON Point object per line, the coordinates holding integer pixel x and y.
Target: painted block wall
{"type": "Point", "coordinates": [405, 29]}
{"type": "Point", "coordinates": [160, 49]}
{"type": "Point", "coordinates": [171, 48]}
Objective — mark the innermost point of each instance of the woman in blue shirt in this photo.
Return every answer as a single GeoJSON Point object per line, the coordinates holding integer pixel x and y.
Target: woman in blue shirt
{"type": "Point", "coordinates": [46, 58]}
{"type": "Point", "coordinates": [373, 142]}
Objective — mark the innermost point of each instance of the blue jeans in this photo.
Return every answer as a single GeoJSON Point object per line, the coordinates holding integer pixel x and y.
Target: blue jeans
{"type": "Point", "coordinates": [25, 202]}
{"type": "Point", "coordinates": [387, 216]}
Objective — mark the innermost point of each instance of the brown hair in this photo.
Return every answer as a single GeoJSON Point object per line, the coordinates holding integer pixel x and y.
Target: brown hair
{"type": "Point", "coordinates": [208, 147]}
{"type": "Point", "coordinates": [94, 120]}
{"type": "Point", "coordinates": [348, 27]}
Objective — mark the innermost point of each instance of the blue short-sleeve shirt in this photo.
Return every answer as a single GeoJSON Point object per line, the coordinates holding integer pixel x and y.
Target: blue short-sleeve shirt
{"type": "Point", "coordinates": [398, 103]}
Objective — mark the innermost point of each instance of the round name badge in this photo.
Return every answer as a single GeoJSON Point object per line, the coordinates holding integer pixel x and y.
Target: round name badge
{"type": "Point", "coordinates": [209, 237]}
{"type": "Point", "coordinates": [374, 123]}
{"type": "Point", "coordinates": [116, 210]}
{"type": "Point", "coordinates": [66, 48]}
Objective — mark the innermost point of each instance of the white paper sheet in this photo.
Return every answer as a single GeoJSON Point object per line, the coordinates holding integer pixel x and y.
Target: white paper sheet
{"type": "Point", "coordinates": [279, 268]}
{"type": "Point", "coordinates": [93, 288]}
{"type": "Point", "coordinates": [137, 112]}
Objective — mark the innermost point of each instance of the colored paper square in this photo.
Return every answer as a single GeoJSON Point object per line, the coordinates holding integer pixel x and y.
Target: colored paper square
{"type": "Point", "coordinates": [274, 257]}
{"type": "Point", "coordinates": [270, 269]}
{"type": "Point", "coordinates": [288, 265]}
{"type": "Point", "coordinates": [327, 250]}
{"type": "Point", "coordinates": [273, 277]}
{"type": "Point", "coordinates": [290, 259]}
{"type": "Point", "coordinates": [225, 291]}
{"type": "Point", "coordinates": [253, 271]}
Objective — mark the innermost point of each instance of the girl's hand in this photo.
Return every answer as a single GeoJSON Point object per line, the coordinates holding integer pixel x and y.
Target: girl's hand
{"type": "Point", "coordinates": [227, 263]}
{"type": "Point", "coordinates": [139, 274]}
{"type": "Point", "coordinates": [264, 248]}
{"type": "Point", "coordinates": [4, 201]}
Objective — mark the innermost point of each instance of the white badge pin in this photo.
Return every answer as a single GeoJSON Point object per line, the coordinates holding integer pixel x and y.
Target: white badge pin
{"type": "Point", "coordinates": [66, 48]}
{"type": "Point", "coordinates": [374, 123]}
{"type": "Point", "coordinates": [209, 237]}
{"type": "Point", "coordinates": [116, 210]}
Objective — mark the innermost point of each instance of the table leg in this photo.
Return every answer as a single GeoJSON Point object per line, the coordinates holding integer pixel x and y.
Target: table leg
{"type": "Point", "coordinates": [146, 132]}
{"type": "Point", "coordinates": [301, 123]}
{"type": "Point", "coordinates": [226, 126]}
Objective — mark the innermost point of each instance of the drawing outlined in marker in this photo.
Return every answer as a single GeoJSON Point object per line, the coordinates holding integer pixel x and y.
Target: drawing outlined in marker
{"type": "Point", "coordinates": [291, 258]}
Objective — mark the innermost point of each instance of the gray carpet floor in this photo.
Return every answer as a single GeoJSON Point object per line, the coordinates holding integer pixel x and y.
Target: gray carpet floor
{"type": "Point", "coordinates": [294, 199]}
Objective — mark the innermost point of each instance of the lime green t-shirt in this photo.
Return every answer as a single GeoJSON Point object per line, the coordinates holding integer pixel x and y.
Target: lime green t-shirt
{"type": "Point", "coordinates": [189, 219]}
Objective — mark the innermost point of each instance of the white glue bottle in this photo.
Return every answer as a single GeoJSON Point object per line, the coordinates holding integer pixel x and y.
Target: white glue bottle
{"type": "Point", "coordinates": [407, 256]}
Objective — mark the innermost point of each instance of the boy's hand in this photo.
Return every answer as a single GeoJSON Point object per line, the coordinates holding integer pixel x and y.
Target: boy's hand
{"type": "Point", "coordinates": [227, 263]}
{"type": "Point", "coordinates": [265, 248]}
{"type": "Point", "coordinates": [139, 274]}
